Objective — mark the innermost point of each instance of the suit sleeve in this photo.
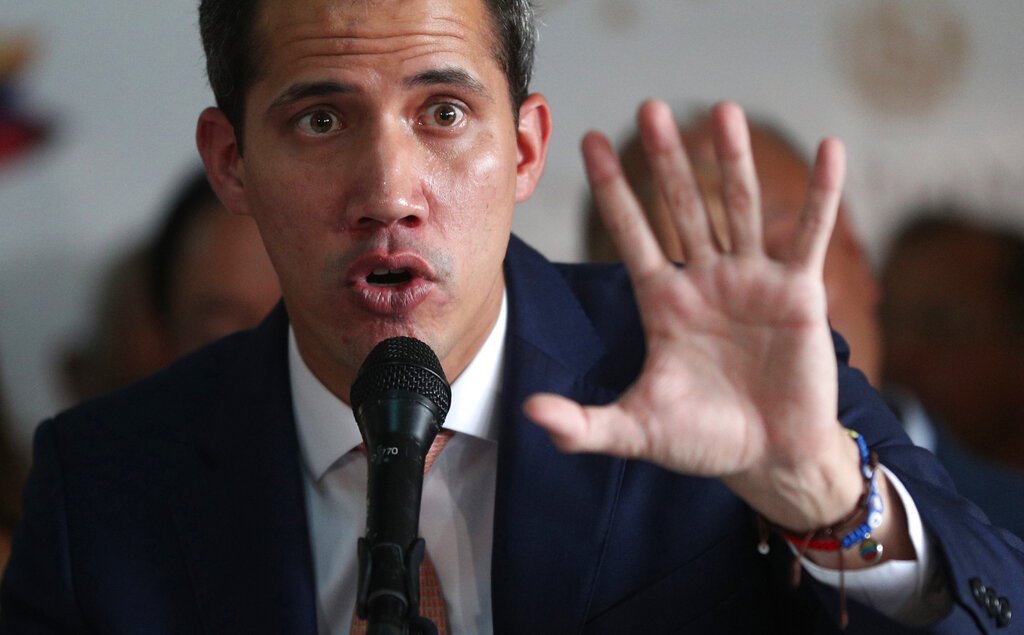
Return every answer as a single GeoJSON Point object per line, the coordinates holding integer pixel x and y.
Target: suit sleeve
{"type": "Point", "coordinates": [983, 565]}
{"type": "Point", "coordinates": [37, 594]}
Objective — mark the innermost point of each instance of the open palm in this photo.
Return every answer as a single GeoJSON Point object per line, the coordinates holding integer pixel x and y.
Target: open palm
{"type": "Point", "coordinates": [740, 375]}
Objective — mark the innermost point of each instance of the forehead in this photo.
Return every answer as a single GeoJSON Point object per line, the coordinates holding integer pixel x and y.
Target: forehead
{"type": "Point", "coordinates": [352, 32]}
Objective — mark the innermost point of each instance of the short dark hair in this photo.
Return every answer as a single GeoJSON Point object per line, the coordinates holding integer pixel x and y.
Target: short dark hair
{"type": "Point", "coordinates": [233, 52]}
{"type": "Point", "coordinates": [946, 219]}
{"type": "Point", "coordinates": [193, 200]}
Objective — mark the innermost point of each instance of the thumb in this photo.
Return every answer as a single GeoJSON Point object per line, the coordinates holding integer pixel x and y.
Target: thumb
{"type": "Point", "coordinates": [576, 428]}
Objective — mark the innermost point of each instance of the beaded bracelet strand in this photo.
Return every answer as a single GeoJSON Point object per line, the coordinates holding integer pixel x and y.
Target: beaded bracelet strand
{"type": "Point", "coordinates": [830, 538]}
{"type": "Point", "coordinates": [871, 501]}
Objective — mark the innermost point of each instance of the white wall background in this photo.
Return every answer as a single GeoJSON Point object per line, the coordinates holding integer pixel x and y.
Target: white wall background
{"type": "Point", "coordinates": [123, 81]}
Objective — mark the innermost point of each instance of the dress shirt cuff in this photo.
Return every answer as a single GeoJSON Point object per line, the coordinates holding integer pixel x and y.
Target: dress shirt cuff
{"type": "Point", "coordinates": [913, 592]}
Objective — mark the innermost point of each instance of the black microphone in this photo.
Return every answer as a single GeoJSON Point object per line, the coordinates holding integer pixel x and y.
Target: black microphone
{"type": "Point", "coordinates": [400, 398]}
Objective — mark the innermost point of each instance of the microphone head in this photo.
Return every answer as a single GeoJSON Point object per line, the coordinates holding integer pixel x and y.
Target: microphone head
{"type": "Point", "coordinates": [402, 364]}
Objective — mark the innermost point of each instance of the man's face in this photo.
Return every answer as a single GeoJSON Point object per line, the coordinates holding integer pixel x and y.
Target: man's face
{"type": "Point", "coordinates": [382, 164]}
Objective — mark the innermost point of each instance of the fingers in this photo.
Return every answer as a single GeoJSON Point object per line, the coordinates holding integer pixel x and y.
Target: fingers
{"type": "Point", "coordinates": [595, 429]}
{"type": "Point", "coordinates": [819, 214]}
{"type": "Point", "coordinates": [740, 190]}
{"type": "Point", "coordinates": [619, 209]}
{"type": "Point", "coordinates": [673, 173]}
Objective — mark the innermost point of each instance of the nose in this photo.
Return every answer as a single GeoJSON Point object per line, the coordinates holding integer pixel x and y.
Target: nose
{"type": "Point", "coordinates": [387, 177]}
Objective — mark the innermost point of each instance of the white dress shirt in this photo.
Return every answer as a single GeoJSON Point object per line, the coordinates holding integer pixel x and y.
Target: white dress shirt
{"type": "Point", "coordinates": [457, 514]}
{"type": "Point", "coordinates": [457, 510]}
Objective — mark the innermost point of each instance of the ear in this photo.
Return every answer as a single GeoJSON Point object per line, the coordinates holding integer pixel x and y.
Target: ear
{"type": "Point", "coordinates": [225, 168]}
{"type": "Point", "coordinates": [532, 138]}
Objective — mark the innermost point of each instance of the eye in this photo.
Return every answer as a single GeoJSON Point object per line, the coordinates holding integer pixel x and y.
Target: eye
{"type": "Point", "coordinates": [319, 122]}
{"type": "Point", "coordinates": [445, 115]}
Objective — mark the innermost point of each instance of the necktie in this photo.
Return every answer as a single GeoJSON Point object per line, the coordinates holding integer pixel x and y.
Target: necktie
{"type": "Point", "coordinates": [431, 599]}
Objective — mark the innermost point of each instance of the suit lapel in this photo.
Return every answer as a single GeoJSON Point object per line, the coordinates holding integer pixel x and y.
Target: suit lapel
{"type": "Point", "coordinates": [241, 513]}
{"type": "Point", "coordinates": [552, 511]}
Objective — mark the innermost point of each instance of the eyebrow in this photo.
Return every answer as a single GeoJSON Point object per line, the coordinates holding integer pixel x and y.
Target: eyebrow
{"type": "Point", "coordinates": [449, 76]}
{"type": "Point", "coordinates": [305, 90]}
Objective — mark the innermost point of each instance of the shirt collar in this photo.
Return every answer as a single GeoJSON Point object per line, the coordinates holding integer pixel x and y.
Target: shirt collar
{"type": "Point", "coordinates": [327, 427]}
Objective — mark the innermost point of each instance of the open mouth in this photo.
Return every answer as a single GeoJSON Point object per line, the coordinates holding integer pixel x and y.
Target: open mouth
{"type": "Point", "coordinates": [389, 277]}
{"type": "Point", "coordinates": [391, 284]}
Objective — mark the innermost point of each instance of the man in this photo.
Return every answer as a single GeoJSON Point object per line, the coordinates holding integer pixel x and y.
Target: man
{"type": "Point", "coordinates": [953, 318]}
{"type": "Point", "coordinates": [381, 147]}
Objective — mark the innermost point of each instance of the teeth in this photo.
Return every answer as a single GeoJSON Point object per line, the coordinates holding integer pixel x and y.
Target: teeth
{"type": "Point", "coordinates": [383, 277]}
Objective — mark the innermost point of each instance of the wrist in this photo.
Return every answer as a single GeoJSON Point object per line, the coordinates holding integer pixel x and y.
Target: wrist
{"type": "Point", "coordinates": [820, 491]}
{"type": "Point", "coordinates": [856, 530]}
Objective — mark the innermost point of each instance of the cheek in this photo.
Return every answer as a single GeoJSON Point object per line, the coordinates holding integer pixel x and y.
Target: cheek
{"type": "Point", "coordinates": [472, 214]}
{"type": "Point", "coordinates": [289, 235]}
{"type": "Point", "coordinates": [473, 194]}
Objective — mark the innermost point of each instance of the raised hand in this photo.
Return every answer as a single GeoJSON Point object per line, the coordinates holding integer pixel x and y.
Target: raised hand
{"type": "Point", "coordinates": [740, 376]}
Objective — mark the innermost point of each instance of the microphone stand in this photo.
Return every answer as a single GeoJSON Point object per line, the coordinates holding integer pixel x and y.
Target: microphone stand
{"type": "Point", "coordinates": [393, 607]}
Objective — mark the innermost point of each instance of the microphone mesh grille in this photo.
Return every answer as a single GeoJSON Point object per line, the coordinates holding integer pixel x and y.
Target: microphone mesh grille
{"type": "Point", "coordinates": [402, 363]}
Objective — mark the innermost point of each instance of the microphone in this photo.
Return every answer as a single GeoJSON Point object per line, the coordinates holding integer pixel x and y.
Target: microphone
{"type": "Point", "coordinates": [400, 398]}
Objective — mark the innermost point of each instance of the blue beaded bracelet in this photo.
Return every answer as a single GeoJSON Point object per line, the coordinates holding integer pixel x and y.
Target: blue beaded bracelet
{"type": "Point", "coordinates": [826, 539]}
{"type": "Point", "coordinates": [870, 549]}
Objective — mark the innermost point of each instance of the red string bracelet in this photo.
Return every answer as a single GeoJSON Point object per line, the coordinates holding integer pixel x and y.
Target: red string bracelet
{"type": "Point", "coordinates": [833, 537]}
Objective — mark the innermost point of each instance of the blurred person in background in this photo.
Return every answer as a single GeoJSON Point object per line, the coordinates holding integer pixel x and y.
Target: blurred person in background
{"type": "Point", "coordinates": [211, 273]}
{"type": "Point", "coordinates": [851, 287]}
{"type": "Point", "coordinates": [126, 342]}
{"type": "Point", "coordinates": [204, 274]}
{"type": "Point", "coordinates": [12, 478]}
{"type": "Point", "coordinates": [953, 318]}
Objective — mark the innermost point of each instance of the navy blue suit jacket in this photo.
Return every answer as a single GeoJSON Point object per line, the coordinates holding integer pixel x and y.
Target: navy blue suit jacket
{"type": "Point", "coordinates": [176, 506]}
